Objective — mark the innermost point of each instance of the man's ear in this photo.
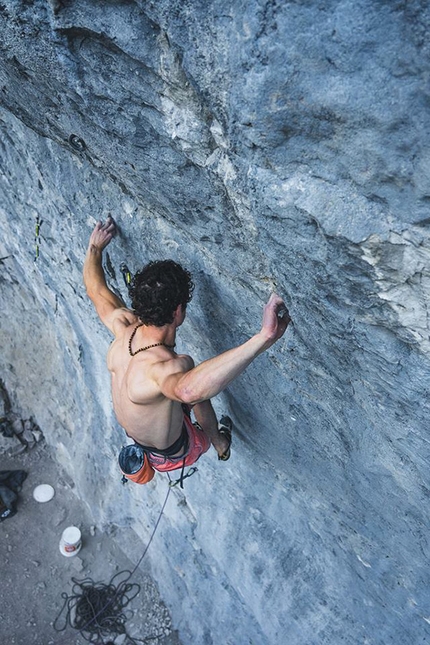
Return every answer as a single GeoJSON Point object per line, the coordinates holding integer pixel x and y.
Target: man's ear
{"type": "Point", "coordinates": [179, 314]}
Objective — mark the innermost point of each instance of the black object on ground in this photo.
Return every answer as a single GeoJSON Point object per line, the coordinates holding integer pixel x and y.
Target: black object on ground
{"type": "Point", "coordinates": [96, 609]}
{"type": "Point", "coordinates": [10, 485]}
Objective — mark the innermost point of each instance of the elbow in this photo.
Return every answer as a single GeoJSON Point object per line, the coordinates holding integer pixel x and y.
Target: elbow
{"type": "Point", "coordinates": [93, 292]}
{"type": "Point", "coordinates": [187, 395]}
{"type": "Point", "coordinates": [90, 293]}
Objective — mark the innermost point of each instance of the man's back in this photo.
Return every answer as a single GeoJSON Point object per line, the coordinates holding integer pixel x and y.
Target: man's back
{"type": "Point", "coordinates": [140, 407]}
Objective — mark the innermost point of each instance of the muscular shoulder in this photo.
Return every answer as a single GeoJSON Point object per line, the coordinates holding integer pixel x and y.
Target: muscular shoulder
{"type": "Point", "coordinates": [152, 376]}
{"type": "Point", "coordinates": [161, 370]}
{"type": "Point", "coordinates": [120, 319]}
{"type": "Point", "coordinates": [171, 365]}
{"type": "Point", "coordinates": [169, 375]}
{"type": "Point", "coordinates": [185, 360]}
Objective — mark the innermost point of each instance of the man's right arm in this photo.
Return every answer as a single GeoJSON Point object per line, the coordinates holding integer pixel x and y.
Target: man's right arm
{"type": "Point", "coordinates": [212, 376]}
{"type": "Point", "coordinates": [111, 310]}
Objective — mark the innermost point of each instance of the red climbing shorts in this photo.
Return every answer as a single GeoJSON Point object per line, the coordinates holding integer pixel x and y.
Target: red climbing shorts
{"type": "Point", "coordinates": [198, 444]}
{"type": "Point", "coordinates": [137, 462]}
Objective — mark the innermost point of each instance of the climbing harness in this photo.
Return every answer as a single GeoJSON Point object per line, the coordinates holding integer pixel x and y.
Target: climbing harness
{"type": "Point", "coordinates": [135, 465]}
{"type": "Point", "coordinates": [96, 609]}
{"type": "Point", "coordinates": [138, 462]}
{"type": "Point", "coordinates": [180, 481]}
{"type": "Point", "coordinates": [39, 223]}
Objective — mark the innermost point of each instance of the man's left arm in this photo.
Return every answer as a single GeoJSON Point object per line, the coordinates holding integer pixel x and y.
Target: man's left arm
{"type": "Point", "coordinates": [109, 307]}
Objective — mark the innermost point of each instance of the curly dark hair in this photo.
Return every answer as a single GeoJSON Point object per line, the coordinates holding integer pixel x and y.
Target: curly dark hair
{"type": "Point", "coordinates": [158, 289]}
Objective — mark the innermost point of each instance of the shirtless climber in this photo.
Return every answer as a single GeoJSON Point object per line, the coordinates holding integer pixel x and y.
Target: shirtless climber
{"type": "Point", "coordinates": [153, 388]}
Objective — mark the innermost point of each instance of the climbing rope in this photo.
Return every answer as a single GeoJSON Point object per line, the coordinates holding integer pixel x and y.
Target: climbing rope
{"type": "Point", "coordinates": [96, 609]}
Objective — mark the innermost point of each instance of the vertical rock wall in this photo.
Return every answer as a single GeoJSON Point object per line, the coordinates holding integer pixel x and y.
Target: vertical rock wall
{"type": "Point", "coordinates": [265, 145]}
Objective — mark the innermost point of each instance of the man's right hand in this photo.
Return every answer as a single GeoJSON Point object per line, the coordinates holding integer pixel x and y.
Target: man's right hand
{"type": "Point", "coordinates": [276, 319]}
{"type": "Point", "coordinates": [102, 234]}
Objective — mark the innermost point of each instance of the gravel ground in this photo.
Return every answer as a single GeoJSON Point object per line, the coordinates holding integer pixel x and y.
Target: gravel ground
{"type": "Point", "coordinates": [34, 573]}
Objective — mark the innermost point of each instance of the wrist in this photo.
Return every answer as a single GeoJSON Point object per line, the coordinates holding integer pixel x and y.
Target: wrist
{"type": "Point", "coordinates": [263, 341]}
{"type": "Point", "coordinates": [94, 250]}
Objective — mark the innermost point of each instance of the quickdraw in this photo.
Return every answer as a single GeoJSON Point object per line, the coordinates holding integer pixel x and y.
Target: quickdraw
{"type": "Point", "coordinates": [39, 223]}
{"type": "Point", "coordinates": [126, 274]}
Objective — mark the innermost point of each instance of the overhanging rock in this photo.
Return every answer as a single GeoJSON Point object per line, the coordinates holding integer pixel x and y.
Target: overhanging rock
{"type": "Point", "coordinates": [267, 146]}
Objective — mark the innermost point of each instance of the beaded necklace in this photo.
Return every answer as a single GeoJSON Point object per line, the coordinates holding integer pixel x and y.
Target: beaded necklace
{"type": "Point", "coordinates": [142, 349]}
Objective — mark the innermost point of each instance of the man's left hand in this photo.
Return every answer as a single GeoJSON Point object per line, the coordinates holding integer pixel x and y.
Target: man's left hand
{"type": "Point", "coordinates": [276, 319]}
{"type": "Point", "coordinates": [103, 234]}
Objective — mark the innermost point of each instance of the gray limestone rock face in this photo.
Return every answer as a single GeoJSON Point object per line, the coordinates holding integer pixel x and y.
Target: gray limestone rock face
{"type": "Point", "coordinates": [265, 146]}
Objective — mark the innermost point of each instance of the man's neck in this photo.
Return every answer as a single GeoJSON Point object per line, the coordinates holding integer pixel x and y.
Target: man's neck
{"type": "Point", "coordinates": [150, 334]}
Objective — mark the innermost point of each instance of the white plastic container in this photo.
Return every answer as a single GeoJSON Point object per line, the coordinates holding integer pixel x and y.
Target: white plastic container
{"type": "Point", "coordinates": [71, 541]}
{"type": "Point", "coordinates": [43, 493]}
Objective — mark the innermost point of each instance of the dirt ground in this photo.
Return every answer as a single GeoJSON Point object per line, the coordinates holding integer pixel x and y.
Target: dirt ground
{"type": "Point", "coordinates": [34, 573]}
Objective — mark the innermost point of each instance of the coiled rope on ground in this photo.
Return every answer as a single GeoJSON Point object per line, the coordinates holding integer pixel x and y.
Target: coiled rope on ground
{"type": "Point", "coordinates": [95, 609]}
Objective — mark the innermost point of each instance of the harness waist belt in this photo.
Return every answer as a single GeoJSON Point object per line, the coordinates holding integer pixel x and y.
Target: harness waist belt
{"type": "Point", "coordinates": [181, 442]}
